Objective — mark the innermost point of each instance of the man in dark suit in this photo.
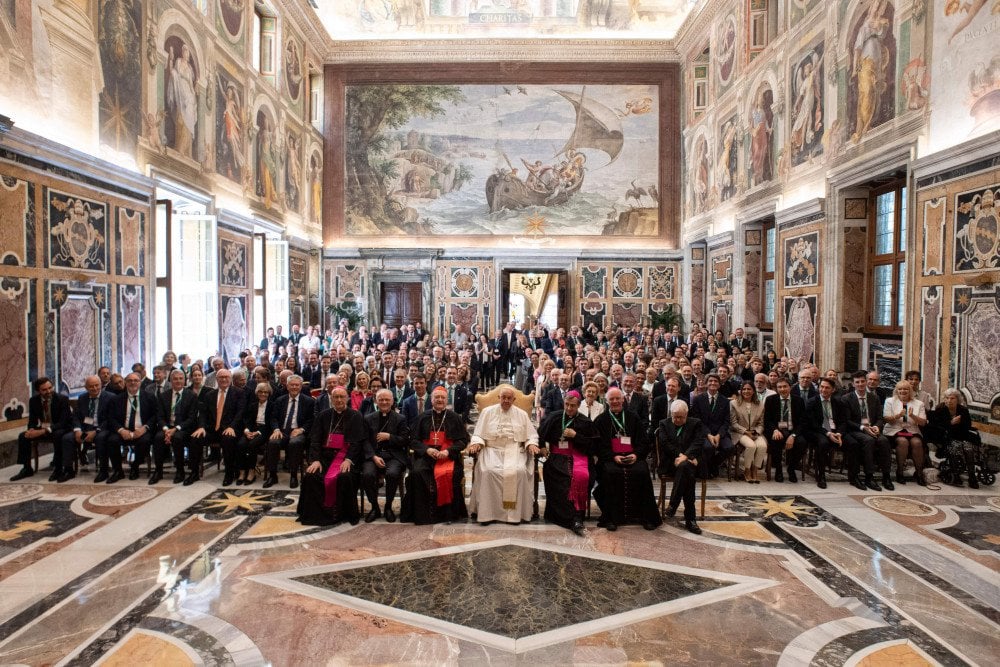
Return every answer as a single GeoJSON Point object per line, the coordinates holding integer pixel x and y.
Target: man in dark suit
{"type": "Point", "coordinates": [219, 424]}
{"type": "Point", "coordinates": [49, 419]}
{"type": "Point", "coordinates": [290, 424]}
{"type": "Point", "coordinates": [875, 386]}
{"type": "Point", "coordinates": [660, 407]}
{"type": "Point", "coordinates": [712, 410]}
{"type": "Point", "coordinates": [554, 394]}
{"type": "Point", "coordinates": [388, 450]}
{"type": "Point", "coordinates": [280, 340]}
{"type": "Point", "coordinates": [509, 349]}
{"type": "Point", "coordinates": [295, 335]}
{"type": "Point", "coordinates": [635, 400]}
{"type": "Point", "coordinates": [416, 403]}
{"type": "Point", "coordinates": [178, 419]}
{"type": "Point", "coordinates": [400, 389]}
{"type": "Point", "coordinates": [863, 436]}
{"type": "Point", "coordinates": [268, 339]}
{"type": "Point", "coordinates": [680, 446]}
{"type": "Point", "coordinates": [740, 341]}
{"type": "Point", "coordinates": [90, 427]}
{"type": "Point", "coordinates": [785, 426]}
{"type": "Point", "coordinates": [458, 395]}
{"type": "Point", "coordinates": [804, 388]}
{"type": "Point", "coordinates": [133, 419]}
{"type": "Point", "coordinates": [827, 418]}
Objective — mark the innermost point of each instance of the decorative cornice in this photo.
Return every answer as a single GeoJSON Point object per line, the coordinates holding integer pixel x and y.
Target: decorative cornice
{"type": "Point", "coordinates": [720, 240]}
{"type": "Point", "coordinates": [697, 27]}
{"type": "Point", "coordinates": [489, 50]}
{"type": "Point", "coordinates": [754, 213]}
{"type": "Point", "coordinates": [957, 156]}
{"type": "Point", "coordinates": [807, 209]}
{"type": "Point", "coordinates": [399, 253]}
{"type": "Point", "coordinates": [305, 20]}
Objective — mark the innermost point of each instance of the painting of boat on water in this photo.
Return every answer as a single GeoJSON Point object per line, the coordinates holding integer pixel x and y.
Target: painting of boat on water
{"type": "Point", "coordinates": [552, 160]}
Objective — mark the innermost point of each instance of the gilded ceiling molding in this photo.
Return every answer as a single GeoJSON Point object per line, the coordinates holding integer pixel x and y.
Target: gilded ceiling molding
{"type": "Point", "coordinates": [498, 49]}
{"type": "Point", "coordinates": [304, 18]}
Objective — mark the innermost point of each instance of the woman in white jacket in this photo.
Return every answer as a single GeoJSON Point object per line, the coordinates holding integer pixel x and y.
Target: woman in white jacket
{"type": "Point", "coordinates": [904, 416]}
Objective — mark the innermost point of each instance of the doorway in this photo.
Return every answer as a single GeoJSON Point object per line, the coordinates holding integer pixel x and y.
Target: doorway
{"type": "Point", "coordinates": [531, 296]}
{"type": "Point", "coordinates": [401, 303]}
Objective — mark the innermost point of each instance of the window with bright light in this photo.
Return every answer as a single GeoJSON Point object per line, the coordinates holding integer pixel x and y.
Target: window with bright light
{"type": "Point", "coordinates": [276, 284]}
{"type": "Point", "coordinates": [887, 243]}
{"type": "Point", "coordinates": [767, 294]}
{"type": "Point", "coordinates": [265, 28]}
{"type": "Point", "coordinates": [194, 302]}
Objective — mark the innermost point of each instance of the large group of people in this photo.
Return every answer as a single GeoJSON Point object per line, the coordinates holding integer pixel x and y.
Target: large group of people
{"type": "Point", "coordinates": [351, 410]}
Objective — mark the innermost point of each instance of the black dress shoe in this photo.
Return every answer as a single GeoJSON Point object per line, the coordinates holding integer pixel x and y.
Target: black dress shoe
{"type": "Point", "coordinates": [270, 481]}
{"type": "Point", "coordinates": [178, 477]}
{"type": "Point", "coordinates": [692, 527]}
{"type": "Point", "coordinates": [887, 483]}
{"type": "Point", "coordinates": [577, 527]}
{"type": "Point", "coordinates": [26, 471]}
{"type": "Point", "coordinates": [116, 475]}
{"type": "Point", "coordinates": [858, 484]}
{"type": "Point", "coordinates": [66, 476]}
{"type": "Point", "coordinates": [372, 515]}
{"type": "Point", "coordinates": [973, 482]}
{"type": "Point", "coordinates": [873, 485]}
{"type": "Point", "coordinates": [792, 479]}
{"type": "Point", "coordinates": [293, 483]}
{"type": "Point", "coordinates": [670, 512]}
{"type": "Point", "coordinates": [610, 526]}
{"type": "Point", "coordinates": [919, 478]}
{"type": "Point", "coordinates": [227, 480]}
{"type": "Point", "coordinates": [821, 482]}
{"type": "Point", "coordinates": [778, 477]}
{"type": "Point", "coordinates": [649, 525]}
{"type": "Point", "coordinates": [900, 479]}
{"type": "Point", "coordinates": [133, 473]}
{"type": "Point", "coordinates": [155, 477]}
{"type": "Point", "coordinates": [191, 479]}
{"type": "Point", "coordinates": [357, 520]}
{"type": "Point", "coordinates": [56, 474]}
{"type": "Point", "coordinates": [390, 516]}
{"type": "Point", "coordinates": [101, 477]}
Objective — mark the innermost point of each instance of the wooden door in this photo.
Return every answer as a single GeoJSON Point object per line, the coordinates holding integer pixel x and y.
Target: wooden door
{"type": "Point", "coordinates": [402, 303]}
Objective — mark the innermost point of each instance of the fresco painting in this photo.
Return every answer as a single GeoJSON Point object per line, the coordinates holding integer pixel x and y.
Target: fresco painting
{"type": "Point", "coordinates": [230, 127]}
{"type": "Point", "coordinates": [807, 102]}
{"type": "Point", "coordinates": [119, 40]}
{"type": "Point", "coordinates": [180, 96]}
{"type": "Point", "coordinates": [871, 90]}
{"type": "Point", "coordinates": [762, 124]}
{"type": "Point", "coordinates": [726, 166]}
{"type": "Point", "coordinates": [500, 159]}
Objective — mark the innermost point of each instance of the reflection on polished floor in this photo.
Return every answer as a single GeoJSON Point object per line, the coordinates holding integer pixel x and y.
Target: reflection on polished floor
{"type": "Point", "coordinates": [783, 574]}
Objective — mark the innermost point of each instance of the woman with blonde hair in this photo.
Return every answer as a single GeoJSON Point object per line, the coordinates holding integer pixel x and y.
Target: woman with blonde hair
{"type": "Point", "coordinates": [591, 407]}
{"type": "Point", "coordinates": [904, 415]}
{"type": "Point", "coordinates": [746, 422]}
{"type": "Point", "coordinates": [360, 391]}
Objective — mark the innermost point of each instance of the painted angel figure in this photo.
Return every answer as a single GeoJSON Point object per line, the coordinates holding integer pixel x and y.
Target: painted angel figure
{"type": "Point", "coordinates": [233, 129]}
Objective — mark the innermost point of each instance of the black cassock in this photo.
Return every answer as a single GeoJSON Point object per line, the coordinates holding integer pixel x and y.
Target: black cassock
{"type": "Point", "coordinates": [624, 492]}
{"type": "Point", "coordinates": [558, 470]}
{"type": "Point", "coordinates": [322, 501]}
{"type": "Point", "coordinates": [426, 502]}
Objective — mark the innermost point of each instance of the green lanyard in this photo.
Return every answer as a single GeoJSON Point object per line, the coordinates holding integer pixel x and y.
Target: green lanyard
{"type": "Point", "coordinates": [566, 423]}
{"type": "Point", "coordinates": [619, 424]}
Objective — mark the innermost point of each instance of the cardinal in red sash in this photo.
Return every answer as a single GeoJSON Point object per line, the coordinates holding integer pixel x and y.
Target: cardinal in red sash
{"type": "Point", "coordinates": [435, 487]}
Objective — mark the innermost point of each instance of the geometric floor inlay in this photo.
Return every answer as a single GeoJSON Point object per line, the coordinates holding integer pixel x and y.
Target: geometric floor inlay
{"type": "Point", "coordinates": [515, 594]}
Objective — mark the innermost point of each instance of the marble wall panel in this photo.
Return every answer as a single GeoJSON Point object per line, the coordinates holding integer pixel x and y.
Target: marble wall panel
{"type": "Point", "coordinates": [935, 227]}
{"type": "Point", "coordinates": [887, 357]}
{"type": "Point", "coordinates": [464, 314]}
{"type": "Point", "coordinates": [17, 222]}
{"type": "Point", "coordinates": [722, 316]}
{"type": "Point", "coordinates": [79, 332]}
{"type": "Point", "coordinates": [233, 331]}
{"type": "Point", "coordinates": [753, 263]}
{"type": "Point", "coordinates": [801, 261]}
{"type": "Point", "coordinates": [298, 275]}
{"type": "Point", "coordinates": [722, 274]}
{"type": "Point", "coordinates": [130, 242]}
{"type": "Point", "coordinates": [77, 232]}
{"type": "Point", "coordinates": [662, 281]}
{"type": "Point", "coordinates": [233, 263]}
{"type": "Point", "coordinates": [349, 281]}
{"type": "Point", "coordinates": [132, 325]}
{"type": "Point", "coordinates": [930, 339]}
{"type": "Point", "coordinates": [977, 230]}
{"type": "Point", "coordinates": [464, 282]}
{"type": "Point", "coordinates": [16, 304]}
{"type": "Point", "coordinates": [800, 327]}
{"type": "Point", "coordinates": [627, 282]}
{"type": "Point", "coordinates": [979, 346]}
{"type": "Point", "coordinates": [592, 313]}
{"type": "Point", "coordinates": [853, 294]}
{"type": "Point", "coordinates": [626, 314]}
{"type": "Point", "coordinates": [593, 280]}
{"type": "Point", "coordinates": [697, 292]}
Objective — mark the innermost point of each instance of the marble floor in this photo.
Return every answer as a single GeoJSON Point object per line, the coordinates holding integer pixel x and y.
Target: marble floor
{"type": "Point", "coordinates": [783, 574]}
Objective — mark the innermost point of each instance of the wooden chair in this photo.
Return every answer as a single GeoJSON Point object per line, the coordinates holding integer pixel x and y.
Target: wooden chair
{"type": "Point", "coordinates": [661, 502]}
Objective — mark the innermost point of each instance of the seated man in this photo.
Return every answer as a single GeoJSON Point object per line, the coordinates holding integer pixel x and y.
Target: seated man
{"type": "Point", "coordinates": [90, 424]}
{"type": "Point", "coordinates": [624, 491]}
{"type": "Point", "coordinates": [49, 418]}
{"type": "Point", "coordinates": [863, 436]}
{"type": "Point", "coordinates": [502, 488]}
{"type": "Point", "coordinates": [388, 450]}
{"type": "Point", "coordinates": [220, 419]}
{"type": "Point", "coordinates": [712, 410]}
{"type": "Point", "coordinates": [570, 440]}
{"type": "Point", "coordinates": [827, 417]}
{"type": "Point", "coordinates": [290, 423]}
{"type": "Point", "coordinates": [435, 488]}
{"type": "Point", "coordinates": [786, 426]}
{"type": "Point", "coordinates": [132, 419]}
{"type": "Point", "coordinates": [679, 441]}
{"type": "Point", "coordinates": [178, 422]}
{"type": "Point", "coordinates": [416, 403]}
{"type": "Point", "coordinates": [337, 447]}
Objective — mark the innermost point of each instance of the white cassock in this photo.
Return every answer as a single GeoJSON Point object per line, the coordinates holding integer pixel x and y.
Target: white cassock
{"type": "Point", "coordinates": [503, 485]}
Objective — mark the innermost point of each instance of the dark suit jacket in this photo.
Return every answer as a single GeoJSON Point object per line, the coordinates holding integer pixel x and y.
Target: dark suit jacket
{"type": "Point", "coordinates": [397, 446]}
{"type": "Point", "coordinates": [852, 408]}
{"type": "Point", "coordinates": [552, 399]}
{"type": "Point", "coordinates": [772, 415]}
{"type": "Point", "coordinates": [805, 396]}
{"type": "Point", "coordinates": [397, 401]}
{"type": "Point", "coordinates": [59, 411]}
{"type": "Point", "coordinates": [83, 411]}
{"type": "Point", "coordinates": [232, 410]}
{"type": "Point", "coordinates": [660, 409]}
{"type": "Point", "coordinates": [305, 416]}
{"type": "Point", "coordinates": [814, 411]}
{"type": "Point", "coordinates": [411, 411]}
{"type": "Point", "coordinates": [716, 422]}
{"type": "Point", "coordinates": [462, 400]}
{"type": "Point", "coordinates": [639, 404]}
{"type": "Point", "coordinates": [250, 415]}
{"type": "Point", "coordinates": [670, 444]}
{"type": "Point", "coordinates": [148, 412]}
{"type": "Point", "coordinates": [185, 414]}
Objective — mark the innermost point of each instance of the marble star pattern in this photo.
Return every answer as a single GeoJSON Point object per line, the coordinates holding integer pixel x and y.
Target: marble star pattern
{"type": "Point", "coordinates": [232, 502]}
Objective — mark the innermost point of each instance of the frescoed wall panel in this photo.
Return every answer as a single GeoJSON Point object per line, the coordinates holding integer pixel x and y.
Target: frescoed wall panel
{"type": "Point", "coordinates": [806, 104]}
{"type": "Point", "coordinates": [119, 36]}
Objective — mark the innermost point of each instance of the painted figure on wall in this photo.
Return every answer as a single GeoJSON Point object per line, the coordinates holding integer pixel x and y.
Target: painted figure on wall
{"type": "Point", "coordinates": [267, 160]}
{"type": "Point", "coordinates": [293, 70]}
{"type": "Point", "coordinates": [120, 42]}
{"type": "Point", "coordinates": [316, 186]}
{"type": "Point", "coordinates": [916, 84]}
{"type": "Point", "coordinates": [230, 158]}
{"type": "Point", "coordinates": [726, 50]}
{"type": "Point", "coordinates": [728, 159]}
{"type": "Point", "coordinates": [807, 106]}
{"type": "Point", "coordinates": [293, 172]}
{"type": "Point", "coordinates": [232, 12]}
{"type": "Point", "coordinates": [700, 170]}
{"type": "Point", "coordinates": [761, 133]}
{"type": "Point", "coordinates": [871, 92]}
{"type": "Point", "coordinates": [181, 97]}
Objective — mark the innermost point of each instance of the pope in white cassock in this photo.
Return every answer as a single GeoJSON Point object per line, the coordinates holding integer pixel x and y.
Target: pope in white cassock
{"type": "Point", "coordinates": [507, 443]}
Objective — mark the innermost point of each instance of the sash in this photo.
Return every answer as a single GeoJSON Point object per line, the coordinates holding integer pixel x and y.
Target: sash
{"type": "Point", "coordinates": [511, 464]}
{"type": "Point", "coordinates": [336, 443]}
{"type": "Point", "coordinates": [620, 448]}
{"type": "Point", "coordinates": [444, 469]}
{"type": "Point", "coordinates": [579, 481]}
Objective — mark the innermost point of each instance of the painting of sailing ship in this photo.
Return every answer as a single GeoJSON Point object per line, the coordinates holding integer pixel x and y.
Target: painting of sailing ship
{"type": "Point", "coordinates": [502, 160]}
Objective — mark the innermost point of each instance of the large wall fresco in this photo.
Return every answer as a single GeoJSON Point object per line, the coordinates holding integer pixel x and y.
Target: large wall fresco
{"type": "Point", "coordinates": [119, 37]}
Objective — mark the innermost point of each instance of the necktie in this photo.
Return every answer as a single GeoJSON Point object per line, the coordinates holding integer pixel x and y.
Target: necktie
{"type": "Point", "coordinates": [712, 403]}
{"type": "Point", "coordinates": [93, 407]}
{"type": "Point", "coordinates": [134, 404]}
{"type": "Point", "coordinates": [291, 414]}
{"type": "Point", "coordinates": [451, 395]}
{"type": "Point", "coordinates": [218, 409]}
{"type": "Point", "coordinates": [864, 407]}
{"type": "Point", "coordinates": [826, 410]}
{"type": "Point", "coordinates": [46, 411]}
{"type": "Point", "coordinates": [784, 409]}
{"type": "Point", "coordinates": [173, 407]}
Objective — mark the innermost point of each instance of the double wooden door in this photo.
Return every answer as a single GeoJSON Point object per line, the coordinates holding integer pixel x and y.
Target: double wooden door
{"type": "Point", "coordinates": [402, 303]}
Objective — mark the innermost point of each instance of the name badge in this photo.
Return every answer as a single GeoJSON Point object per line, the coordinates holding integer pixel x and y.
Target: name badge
{"type": "Point", "coordinates": [865, 421]}
{"type": "Point", "coordinates": [563, 445]}
{"type": "Point", "coordinates": [626, 440]}
{"type": "Point", "coordinates": [782, 425]}
{"type": "Point", "coordinates": [89, 421]}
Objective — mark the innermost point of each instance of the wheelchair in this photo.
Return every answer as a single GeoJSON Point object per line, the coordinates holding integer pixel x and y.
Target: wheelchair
{"type": "Point", "coordinates": [985, 463]}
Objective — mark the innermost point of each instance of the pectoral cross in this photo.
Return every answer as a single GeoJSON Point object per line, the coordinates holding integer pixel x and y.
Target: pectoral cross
{"type": "Point", "coordinates": [435, 436]}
